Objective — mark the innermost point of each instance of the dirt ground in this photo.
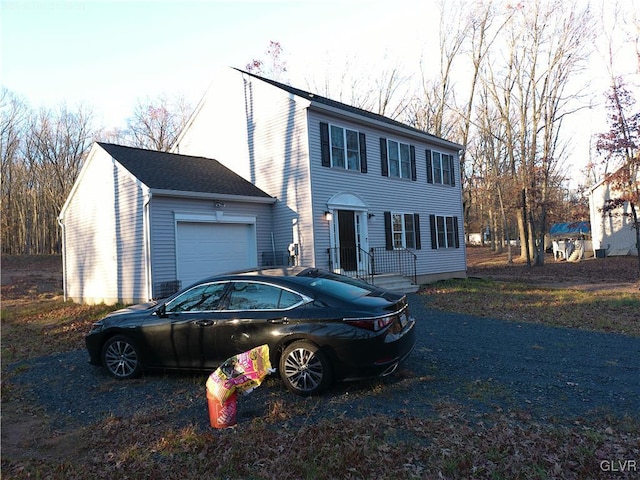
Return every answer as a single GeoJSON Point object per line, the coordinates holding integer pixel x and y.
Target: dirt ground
{"type": "Point", "coordinates": [610, 273]}
{"type": "Point", "coordinates": [30, 275]}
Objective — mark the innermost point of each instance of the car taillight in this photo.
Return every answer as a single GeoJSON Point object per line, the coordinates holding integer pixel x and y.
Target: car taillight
{"type": "Point", "coordinates": [373, 324]}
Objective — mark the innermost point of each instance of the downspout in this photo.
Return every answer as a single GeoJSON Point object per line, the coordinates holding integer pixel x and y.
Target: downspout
{"type": "Point", "coordinates": [146, 220]}
{"type": "Point", "coordinates": [64, 258]}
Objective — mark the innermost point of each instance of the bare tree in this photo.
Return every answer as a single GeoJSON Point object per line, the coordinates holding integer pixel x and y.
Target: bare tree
{"type": "Point", "coordinates": [13, 114]}
{"type": "Point", "coordinates": [42, 153]}
{"type": "Point", "coordinates": [156, 123]}
{"type": "Point", "coordinates": [546, 45]}
{"type": "Point", "coordinates": [385, 90]}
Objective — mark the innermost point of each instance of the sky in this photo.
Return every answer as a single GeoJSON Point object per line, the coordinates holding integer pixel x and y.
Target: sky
{"type": "Point", "coordinates": [109, 54]}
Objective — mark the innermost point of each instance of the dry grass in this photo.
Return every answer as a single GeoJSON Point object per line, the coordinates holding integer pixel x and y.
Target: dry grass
{"type": "Point", "coordinates": [597, 310]}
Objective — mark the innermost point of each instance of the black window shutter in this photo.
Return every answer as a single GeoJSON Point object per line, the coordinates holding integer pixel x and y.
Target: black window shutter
{"type": "Point", "coordinates": [414, 173]}
{"type": "Point", "coordinates": [429, 167]}
{"type": "Point", "coordinates": [456, 236]}
{"type": "Point", "coordinates": [383, 157]}
{"type": "Point", "coordinates": [324, 143]}
{"type": "Point", "coordinates": [363, 153]}
{"type": "Point", "coordinates": [416, 226]}
{"type": "Point", "coordinates": [434, 234]}
{"type": "Point", "coordinates": [452, 169]}
{"type": "Point", "coordinates": [388, 234]}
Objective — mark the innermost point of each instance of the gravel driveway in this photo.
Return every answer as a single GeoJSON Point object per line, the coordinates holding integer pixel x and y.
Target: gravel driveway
{"type": "Point", "coordinates": [481, 364]}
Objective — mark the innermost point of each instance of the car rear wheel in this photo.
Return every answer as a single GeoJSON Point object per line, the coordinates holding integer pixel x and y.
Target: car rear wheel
{"type": "Point", "coordinates": [305, 369]}
{"type": "Point", "coordinates": [120, 357]}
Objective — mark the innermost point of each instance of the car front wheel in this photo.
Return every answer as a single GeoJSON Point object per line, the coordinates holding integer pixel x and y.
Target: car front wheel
{"type": "Point", "coordinates": [120, 357]}
{"type": "Point", "coordinates": [305, 369]}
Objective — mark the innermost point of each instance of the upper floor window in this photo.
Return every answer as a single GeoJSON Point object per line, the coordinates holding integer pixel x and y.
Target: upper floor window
{"type": "Point", "coordinates": [343, 148]}
{"type": "Point", "coordinates": [397, 159]}
{"type": "Point", "coordinates": [402, 230]}
{"type": "Point", "coordinates": [440, 168]}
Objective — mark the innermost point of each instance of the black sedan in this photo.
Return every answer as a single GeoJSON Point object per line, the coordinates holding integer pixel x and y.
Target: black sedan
{"type": "Point", "coordinates": [320, 327]}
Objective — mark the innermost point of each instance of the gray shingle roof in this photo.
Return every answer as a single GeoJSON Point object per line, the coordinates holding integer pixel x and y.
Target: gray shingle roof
{"type": "Point", "coordinates": [181, 173]}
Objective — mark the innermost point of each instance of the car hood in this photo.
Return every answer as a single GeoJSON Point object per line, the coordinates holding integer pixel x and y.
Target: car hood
{"type": "Point", "coordinates": [131, 314]}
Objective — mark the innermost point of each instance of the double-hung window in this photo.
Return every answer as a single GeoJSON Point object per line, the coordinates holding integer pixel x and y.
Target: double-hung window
{"type": "Point", "coordinates": [402, 230]}
{"type": "Point", "coordinates": [397, 159]}
{"type": "Point", "coordinates": [440, 168]}
{"type": "Point", "coordinates": [444, 232]}
{"type": "Point", "coordinates": [343, 148]}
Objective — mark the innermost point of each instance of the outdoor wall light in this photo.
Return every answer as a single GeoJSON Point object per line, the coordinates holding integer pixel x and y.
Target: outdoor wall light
{"type": "Point", "coordinates": [220, 204]}
{"type": "Point", "coordinates": [370, 216]}
{"type": "Point", "coordinates": [328, 216]}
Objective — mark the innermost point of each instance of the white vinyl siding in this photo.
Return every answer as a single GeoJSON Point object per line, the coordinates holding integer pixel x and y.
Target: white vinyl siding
{"type": "Point", "coordinates": [104, 256]}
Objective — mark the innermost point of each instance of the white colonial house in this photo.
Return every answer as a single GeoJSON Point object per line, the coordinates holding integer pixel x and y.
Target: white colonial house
{"type": "Point", "coordinates": [325, 185]}
{"type": "Point", "coordinates": [613, 233]}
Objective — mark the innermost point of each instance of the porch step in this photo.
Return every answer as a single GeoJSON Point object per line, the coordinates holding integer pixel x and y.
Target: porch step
{"type": "Point", "coordinates": [395, 282]}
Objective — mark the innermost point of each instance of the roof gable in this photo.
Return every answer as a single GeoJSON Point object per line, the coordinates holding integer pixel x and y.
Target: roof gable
{"type": "Point", "coordinates": [318, 99]}
{"type": "Point", "coordinates": [181, 173]}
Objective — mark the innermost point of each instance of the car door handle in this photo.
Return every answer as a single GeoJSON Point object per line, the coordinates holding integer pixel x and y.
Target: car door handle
{"type": "Point", "coordinates": [204, 323]}
{"type": "Point", "coordinates": [284, 320]}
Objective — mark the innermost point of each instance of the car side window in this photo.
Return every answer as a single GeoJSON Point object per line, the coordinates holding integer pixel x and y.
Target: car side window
{"type": "Point", "coordinates": [260, 296]}
{"type": "Point", "coordinates": [202, 298]}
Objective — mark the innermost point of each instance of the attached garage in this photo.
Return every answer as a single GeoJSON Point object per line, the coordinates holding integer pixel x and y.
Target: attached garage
{"type": "Point", "coordinates": [205, 249]}
{"type": "Point", "coordinates": [138, 224]}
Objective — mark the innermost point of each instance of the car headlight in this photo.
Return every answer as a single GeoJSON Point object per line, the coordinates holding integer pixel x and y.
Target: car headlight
{"type": "Point", "coordinates": [97, 326]}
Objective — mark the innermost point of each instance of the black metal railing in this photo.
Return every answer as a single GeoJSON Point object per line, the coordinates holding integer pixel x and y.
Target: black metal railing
{"type": "Point", "coordinates": [351, 261]}
{"type": "Point", "coordinates": [400, 260]}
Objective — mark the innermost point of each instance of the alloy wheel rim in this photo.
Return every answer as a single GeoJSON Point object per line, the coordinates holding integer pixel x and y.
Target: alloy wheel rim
{"type": "Point", "coordinates": [121, 359]}
{"type": "Point", "coordinates": [303, 369]}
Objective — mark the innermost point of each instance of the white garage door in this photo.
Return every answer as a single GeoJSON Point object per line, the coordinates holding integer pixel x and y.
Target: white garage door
{"type": "Point", "coordinates": [206, 249]}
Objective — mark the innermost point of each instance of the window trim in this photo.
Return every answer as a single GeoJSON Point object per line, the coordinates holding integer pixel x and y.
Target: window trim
{"type": "Point", "coordinates": [326, 147]}
{"type": "Point", "coordinates": [390, 232]}
{"type": "Point", "coordinates": [445, 232]}
{"type": "Point", "coordinates": [385, 159]}
{"type": "Point", "coordinates": [441, 167]}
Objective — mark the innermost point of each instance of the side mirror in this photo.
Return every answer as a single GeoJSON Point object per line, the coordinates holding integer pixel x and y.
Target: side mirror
{"type": "Point", "coordinates": [161, 311]}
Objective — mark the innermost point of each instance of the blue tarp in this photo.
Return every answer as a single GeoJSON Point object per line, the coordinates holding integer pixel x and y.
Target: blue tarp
{"type": "Point", "coordinates": [570, 229]}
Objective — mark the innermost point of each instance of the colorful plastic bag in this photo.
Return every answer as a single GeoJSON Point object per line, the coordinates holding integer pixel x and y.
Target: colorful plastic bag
{"type": "Point", "coordinates": [239, 374]}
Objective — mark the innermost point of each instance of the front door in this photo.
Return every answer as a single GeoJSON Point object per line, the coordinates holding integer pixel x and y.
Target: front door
{"type": "Point", "coordinates": [348, 241]}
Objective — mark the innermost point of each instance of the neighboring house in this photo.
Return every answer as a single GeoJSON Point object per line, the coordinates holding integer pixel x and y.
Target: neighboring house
{"type": "Point", "coordinates": [139, 223]}
{"type": "Point", "coordinates": [356, 192]}
{"type": "Point", "coordinates": [613, 233]}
